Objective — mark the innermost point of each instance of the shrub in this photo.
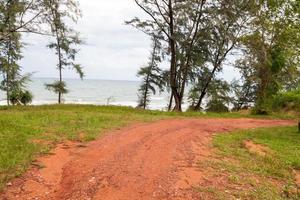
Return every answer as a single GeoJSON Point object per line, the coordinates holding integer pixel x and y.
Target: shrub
{"type": "Point", "coordinates": [18, 97]}
{"type": "Point", "coordinates": [14, 97]}
{"type": "Point", "coordinates": [263, 107]}
{"type": "Point", "coordinates": [287, 101]}
{"type": "Point", "coordinates": [26, 98]}
{"type": "Point", "coordinates": [216, 105]}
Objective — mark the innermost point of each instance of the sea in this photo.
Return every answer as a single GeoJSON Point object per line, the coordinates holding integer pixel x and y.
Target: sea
{"type": "Point", "coordinates": [94, 92]}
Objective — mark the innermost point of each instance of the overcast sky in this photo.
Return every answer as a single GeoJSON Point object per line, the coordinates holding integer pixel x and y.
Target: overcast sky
{"type": "Point", "coordinates": [112, 50]}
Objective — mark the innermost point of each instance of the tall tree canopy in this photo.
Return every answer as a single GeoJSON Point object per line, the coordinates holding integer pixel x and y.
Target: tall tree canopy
{"type": "Point", "coordinates": [271, 49]}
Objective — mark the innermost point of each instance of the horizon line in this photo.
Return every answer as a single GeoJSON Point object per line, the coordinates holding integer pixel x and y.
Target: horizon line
{"type": "Point", "coordinates": [90, 79]}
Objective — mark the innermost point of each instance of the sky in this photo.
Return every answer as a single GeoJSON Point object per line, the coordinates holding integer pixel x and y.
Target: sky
{"type": "Point", "coordinates": [112, 50]}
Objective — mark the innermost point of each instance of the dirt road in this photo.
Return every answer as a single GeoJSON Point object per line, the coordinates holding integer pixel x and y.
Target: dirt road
{"type": "Point", "coordinates": [143, 162]}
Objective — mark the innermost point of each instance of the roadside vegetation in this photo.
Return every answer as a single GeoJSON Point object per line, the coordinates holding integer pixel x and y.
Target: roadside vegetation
{"type": "Point", "coordinates": [265, 169]}
{"type": "Point", "coordinates": [288, 101]}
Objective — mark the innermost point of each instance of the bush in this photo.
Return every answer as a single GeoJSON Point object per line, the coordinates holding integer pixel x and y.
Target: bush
{"type": "Point", "coordinates": [289, 101]}
{"type": "Point", "coordinates": [14, 97]}
{"type": "Point", "coordinates": [19, 97]}
{"type": "Point", "coordinates": [216, 105]}
{"type": "Point", "coordinates": [263, 107]}
{"type": "Point", "coordinates": [26, 98]}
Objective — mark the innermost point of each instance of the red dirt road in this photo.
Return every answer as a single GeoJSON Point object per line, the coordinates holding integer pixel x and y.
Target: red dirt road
{"type": "Point", "coordinates": [156, 161]}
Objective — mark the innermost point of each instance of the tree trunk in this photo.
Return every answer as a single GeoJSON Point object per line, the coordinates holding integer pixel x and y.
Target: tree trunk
{"type": "Point", "coordinates": [178, 104]}
{"type": "Point", "coordinates": [59, 66]}
{"type": "Point", "coordinates": [204, 90]}
{"type": "Point", "coordinates": [7, 89]}
{"type": "Point", "coordinates": [60, 80]}
{"type": "Point", "coordinates": [146, 93]}
{"type": "Point", "coordinates": [173, 67]}
{"type": "Point", "coordinates": [170, 102]}
{"type": "Point", "coordinates": [264, 84]}
{"type": "Point", "coordinates": [199, 103]}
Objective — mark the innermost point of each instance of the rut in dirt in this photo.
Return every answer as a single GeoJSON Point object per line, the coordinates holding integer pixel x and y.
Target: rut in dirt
{"type": "Point", "coordinates": [153, 161]}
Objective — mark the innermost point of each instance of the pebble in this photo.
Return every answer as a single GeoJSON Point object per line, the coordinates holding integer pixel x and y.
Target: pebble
{"type": "Point", "coordinates": [9, 184]}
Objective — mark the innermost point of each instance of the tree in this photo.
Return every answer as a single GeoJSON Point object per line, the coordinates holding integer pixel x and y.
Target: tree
{"type": "Point", "coordinates": [65, 40]}
{"type": "Point", "coordinates": [244, 90]}
{"type": "Point", "coordinates": [28, 17]}
{"type": "Point", "coordinates": [152, 75]}
{"type": "Point", "coordinates": [225, 24]}
{"type": "Point", "coordinates": [218, 95]}
{"type": "Point", "coordinates": [273, 45]}
{"type": "Point", "coordinates": [218, 91]}
{"type": "Point", "coordinates": [13, 83]}
{"type": "Point", "coordinates": [179, 23]}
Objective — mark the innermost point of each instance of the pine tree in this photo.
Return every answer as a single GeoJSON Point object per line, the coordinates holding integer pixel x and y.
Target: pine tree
{"type": "Point", "coordinates": [13, 82]}
{"type": "Point", "coordinates": [65, 40]}
{"type": "Point", "coordinates": [152, 76]}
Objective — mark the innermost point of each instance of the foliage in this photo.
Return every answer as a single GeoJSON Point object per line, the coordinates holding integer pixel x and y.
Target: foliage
{"type": "Point", "coordinates": [19, 97]}
{"type": "Point", "coordinates": [216, 105]}
{"type": "Point", "coordinates": [57, 87]}
{"type": "Point", "coordinates": [65, 39]}
{"type": "Point", "coordinates": [217, 92]}
{"type": "Point", "coordinates": [178, 23]}
{"type": "Point", "coordinates": [245, 89]}
{"type": "Point", "coordinates": [222, 30]}
{"type": "Point", "coordinates": [265, 31]}
{"type": "Point", "coordinates": [13, 82]}
{"type": "Point", "coordinates": [151, 74]}
{"type": "Point", "coordinates": [288, 101]}
{"type": "Point", "coordinates": [26, 98]}
{"type": "Point", "coordinates": [27, 17]}
{"type": "Point", "coordinates": [271, 49]}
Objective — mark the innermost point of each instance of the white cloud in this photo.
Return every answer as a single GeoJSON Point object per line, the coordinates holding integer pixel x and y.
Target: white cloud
{"type": "Point", "coordinates": [112, 50]}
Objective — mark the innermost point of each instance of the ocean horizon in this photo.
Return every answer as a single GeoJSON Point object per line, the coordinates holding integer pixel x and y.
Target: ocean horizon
{"type": "Point", "coordinates": [94, 92]}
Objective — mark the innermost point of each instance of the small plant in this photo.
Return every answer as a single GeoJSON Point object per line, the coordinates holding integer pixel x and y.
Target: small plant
{"type": "Point", "coordinates": [58, 87]}
{"type": "Point", "coordinates": [19, 97]}
{"type": "Point", "coordinates": [14, 97]}
{"type": "Point", "coordinates": [109, 99]}
{"type": "Point", "coordinates": [26, 98]}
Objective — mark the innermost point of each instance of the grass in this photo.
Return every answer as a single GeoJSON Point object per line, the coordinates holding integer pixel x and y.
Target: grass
{"type": "Point", "coordinates": [259, 177]}
{"type": "Point", "coordinates": [20, 127]}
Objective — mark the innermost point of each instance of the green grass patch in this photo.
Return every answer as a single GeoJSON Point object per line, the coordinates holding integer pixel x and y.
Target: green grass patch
{"type": "Point", "coordinates": [278, 165]}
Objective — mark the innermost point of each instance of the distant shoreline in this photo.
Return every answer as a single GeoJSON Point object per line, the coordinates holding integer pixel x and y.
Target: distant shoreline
{"type": "Point", "coordinates": [86, 79]}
